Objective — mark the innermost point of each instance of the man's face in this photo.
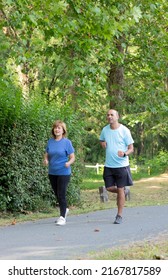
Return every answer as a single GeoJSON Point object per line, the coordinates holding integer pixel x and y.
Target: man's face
{"type": "Point", "coordinates": [112, 116]}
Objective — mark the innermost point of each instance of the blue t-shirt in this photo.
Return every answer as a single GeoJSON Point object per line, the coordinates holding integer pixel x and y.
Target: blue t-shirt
{"type": "Point", "coordinates": [116, 139]}
{"type": "Point", "coordinates": [58, 152]}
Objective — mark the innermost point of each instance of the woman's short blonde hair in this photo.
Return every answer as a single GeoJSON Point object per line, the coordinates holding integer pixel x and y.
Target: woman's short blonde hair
{"type": "Point", "coordinates": [59, 123]}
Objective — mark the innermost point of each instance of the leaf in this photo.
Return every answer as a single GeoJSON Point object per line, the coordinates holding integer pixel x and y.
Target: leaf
{"type": "Point", "coordinates": [33, 19]}
{"type": "Point", "coordinates": [137, 14]}
{"type": "Point", "coordinates": [96, 10]}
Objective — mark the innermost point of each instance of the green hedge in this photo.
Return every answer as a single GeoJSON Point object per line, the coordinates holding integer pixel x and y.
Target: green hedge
{"type": "Point", "coordinates": [25, 129]}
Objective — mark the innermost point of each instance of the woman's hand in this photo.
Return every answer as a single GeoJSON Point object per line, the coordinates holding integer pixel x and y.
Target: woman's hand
{"type": "Point", "coordinates": [45, 161]}
{"type": "Point", "coordinates": [67, 164]}
{"type": "Point", "coordinates": [71, 160]}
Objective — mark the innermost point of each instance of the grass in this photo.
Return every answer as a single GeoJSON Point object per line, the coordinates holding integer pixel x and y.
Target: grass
{"type": "Point", "coordinates": [145, 192]}
{"type": "Point", "coordinates": [93, 180]}
{"type": "Point", "coordinates": [154, 249]}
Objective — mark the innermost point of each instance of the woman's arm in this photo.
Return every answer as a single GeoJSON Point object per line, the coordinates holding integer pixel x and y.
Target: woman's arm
{"type": "Point", "coordinates": [45, 161]}
{"type": "Point", "coordinates": [71, 160]}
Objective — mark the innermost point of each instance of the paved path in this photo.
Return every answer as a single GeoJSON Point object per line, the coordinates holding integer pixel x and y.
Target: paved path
{"type": "Point", "coordinates": [43, 240]}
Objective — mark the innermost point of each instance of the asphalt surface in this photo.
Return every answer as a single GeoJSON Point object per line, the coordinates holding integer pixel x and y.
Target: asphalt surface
{"type": "Point", "coordinates": [83, 234]}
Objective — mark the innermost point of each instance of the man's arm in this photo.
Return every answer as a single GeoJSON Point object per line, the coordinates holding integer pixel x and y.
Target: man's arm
{"type": "Point", "coordinates": [103, 144]}
{"type": "Point", "coordinates": [128, 152]}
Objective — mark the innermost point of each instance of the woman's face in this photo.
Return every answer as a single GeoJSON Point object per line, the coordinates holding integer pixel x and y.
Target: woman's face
{"type": "Point", "coordinates": [58, 131]}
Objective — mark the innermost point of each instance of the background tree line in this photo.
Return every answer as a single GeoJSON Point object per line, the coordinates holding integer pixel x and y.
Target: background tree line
{"type": "Point", "coordinates": [73, 60]}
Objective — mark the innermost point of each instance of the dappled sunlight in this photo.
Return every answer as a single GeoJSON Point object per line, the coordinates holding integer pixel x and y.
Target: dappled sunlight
{"type": "Point", "coordinates": [154, 187]}
{"type": "Point", "coordinates": [162, 177]}
{"type": "Point", "coordinates": [93, 181]}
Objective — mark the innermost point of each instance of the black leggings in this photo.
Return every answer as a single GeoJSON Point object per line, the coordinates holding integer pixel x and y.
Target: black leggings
{"type": "Point", "coordinates": [59, 185]}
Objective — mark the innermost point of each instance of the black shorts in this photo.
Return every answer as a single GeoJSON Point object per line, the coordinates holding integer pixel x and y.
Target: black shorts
{"type": "Point", "coordinates": [119, 177]}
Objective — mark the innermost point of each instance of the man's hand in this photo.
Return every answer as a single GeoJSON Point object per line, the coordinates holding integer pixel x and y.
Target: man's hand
{"type": "Point", "coordinates": [121, 153]}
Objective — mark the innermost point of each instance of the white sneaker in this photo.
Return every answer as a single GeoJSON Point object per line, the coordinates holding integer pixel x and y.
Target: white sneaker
{"type": "Point", "coordinates": [66, 213]}
{"type": "Point", "coordinates": [61, 221]}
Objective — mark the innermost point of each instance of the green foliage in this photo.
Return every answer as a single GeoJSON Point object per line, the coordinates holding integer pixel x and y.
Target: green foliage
{"type": "Point", "coordinates": [93, 151]}
{"type": "Point", "coordinates": [159, 163]}
{"type": "Point", "coordinates": [145, 168]}
{"type": "Point", "coordinates": [24, 183]}
{"type": "Point", "coordinates": [76, 133]}
{"type": "Point", "coordinates": [23, 179]}
{"type": "Point", "coordinates": [55, 60]}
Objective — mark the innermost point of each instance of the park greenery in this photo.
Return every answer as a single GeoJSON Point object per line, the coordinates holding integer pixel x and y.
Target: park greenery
{"type": "Point", "coordinates": [73, 60]}
{"type": "Point", "coordinates": [155, 249]}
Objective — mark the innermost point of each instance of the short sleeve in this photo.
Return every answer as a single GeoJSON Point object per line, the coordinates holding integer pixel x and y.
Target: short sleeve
{"type": "Point", "coordinates": [69, 147]}
{"type": "Point", "coordinates": [47, 147]}
{"type": "Point", "coordinates": [129, 140]}
{"type": "Point", "coordinates": [102, 137]}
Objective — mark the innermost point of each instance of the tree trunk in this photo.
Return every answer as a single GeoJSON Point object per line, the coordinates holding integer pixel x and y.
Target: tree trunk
{"type": "Point", "coordinates": [115, 81]}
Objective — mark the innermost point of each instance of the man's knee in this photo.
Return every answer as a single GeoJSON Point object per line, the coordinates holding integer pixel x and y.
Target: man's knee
{"type": "Point", "coordinates": [112, 189]}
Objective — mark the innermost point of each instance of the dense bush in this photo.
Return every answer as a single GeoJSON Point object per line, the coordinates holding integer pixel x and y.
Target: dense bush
{"type": "Point", "coordinates": [93, 151]}
{"type": "Point", "coordinates": [25, 129]}
{"type": "Point", "coordinates": [159, 163]}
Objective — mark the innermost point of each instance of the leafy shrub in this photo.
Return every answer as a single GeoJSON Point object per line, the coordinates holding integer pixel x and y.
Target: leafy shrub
{"type": "Point", "coordinates": [159, 163]}
{"type": "Point", "coordinates": [25, 130]}
{"type": "Point", "coordinates": [93, 151]}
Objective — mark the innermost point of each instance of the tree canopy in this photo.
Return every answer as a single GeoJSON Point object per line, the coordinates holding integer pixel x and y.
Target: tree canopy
{"type": "Point", "coordinates": [76, 59]}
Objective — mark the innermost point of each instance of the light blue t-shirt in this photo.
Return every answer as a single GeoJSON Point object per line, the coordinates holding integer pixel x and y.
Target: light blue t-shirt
{"type": "Point", "coordinates": [58, 152]}
{"type": "Point", "coordinates": [116, 139]}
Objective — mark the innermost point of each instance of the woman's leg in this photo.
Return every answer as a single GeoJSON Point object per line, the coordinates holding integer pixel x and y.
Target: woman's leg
{"type": "Point", "coordinates": [53, 181]}
{"type": "Point", "coordinates": [62, 184]}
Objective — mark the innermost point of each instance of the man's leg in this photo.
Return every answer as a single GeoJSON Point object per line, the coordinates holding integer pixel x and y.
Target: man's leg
{"type": "Point", "coordinates": [120, 204]}
{"type": "Point", "coordinates": [112, 189]}
{"type": "Point", "coordinates": [120, 200]}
